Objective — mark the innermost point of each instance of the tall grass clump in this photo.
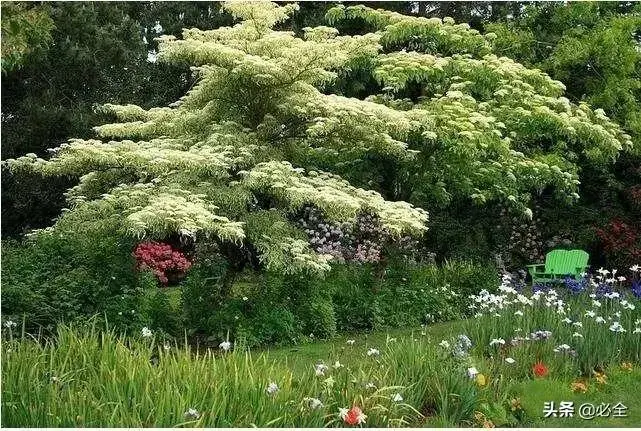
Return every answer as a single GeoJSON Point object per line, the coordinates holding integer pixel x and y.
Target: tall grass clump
{"type": "Point", "coordinates": [86, 377]}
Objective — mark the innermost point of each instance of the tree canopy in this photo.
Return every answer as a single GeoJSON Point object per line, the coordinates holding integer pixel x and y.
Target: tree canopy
{"type": "Point", "coordinates": [266, 132]}
{"type": "Point", "coordinates": [24, 29]}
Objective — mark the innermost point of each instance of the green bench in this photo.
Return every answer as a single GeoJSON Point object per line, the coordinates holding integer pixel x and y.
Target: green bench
{"type": "Point", "coordinates": [558, 265]}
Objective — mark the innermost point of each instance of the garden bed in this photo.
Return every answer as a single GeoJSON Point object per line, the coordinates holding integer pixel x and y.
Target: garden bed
{"type": "Point", "coordinates": [499, 368]}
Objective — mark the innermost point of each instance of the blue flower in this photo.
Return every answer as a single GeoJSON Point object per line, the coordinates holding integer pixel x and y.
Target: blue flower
{"type": "Point", "coordinates": [575, 286]}
{"type": "Point", "coordinates": [602, 289]}
{"type": "Point", "coordinates": [636, 288]}
{"type": "Point", "coordinates": [538, 287]}
{"type": "Point", "coordinates": [461, 347]}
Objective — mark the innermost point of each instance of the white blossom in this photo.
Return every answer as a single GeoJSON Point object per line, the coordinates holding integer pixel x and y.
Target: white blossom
{"type": "Point", "coordinates": [313, 403]}
{"type": "Point", "coordinates": [373, 352]}
{"type": "Point", "coordinates": [320, 369]}
{"type": "Point", "coordinates": [272, 388]}
{"type": "Point", "coordinates": [444, 344]}
{"type": "Point", "coordinates": [616, 327]}
{"type": "Point", "coordinates": [627, 305]}
{"type": "Point", "coordinates": [192, 414]}
{"type": "Point", "coordinates": [472, 372]}
{"type": "Point", "coordinates": [494, 341]}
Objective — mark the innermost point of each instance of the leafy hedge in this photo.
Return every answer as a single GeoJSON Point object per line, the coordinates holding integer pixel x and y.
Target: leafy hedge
{"type": "Point", "coordinates": [48, 281]}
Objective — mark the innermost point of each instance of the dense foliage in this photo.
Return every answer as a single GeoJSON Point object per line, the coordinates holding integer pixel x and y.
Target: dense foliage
{"type": "Point", "coordinates": [483, 126]}
{"type": "Point", "coordinates": [99, 53]}
{"type": "Point", "coordinates": [24, 30]}
{"type": "Point", "coordinates": [595, 48]}
{"type": "Point", "coordinates": [300, 151]}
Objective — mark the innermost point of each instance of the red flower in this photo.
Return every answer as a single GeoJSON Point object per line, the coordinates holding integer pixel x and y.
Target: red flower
{"type": "Point", "coordinates": [540, 369]}
{"type": "Point", "coordinates": [160, 258]}
{"type": "Point", "coordinates": [353, 416]}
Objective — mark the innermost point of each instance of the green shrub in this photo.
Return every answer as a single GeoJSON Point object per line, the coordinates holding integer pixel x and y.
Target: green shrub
{"type": "Point", "coordinates": [309, 301]}
{"type": "Point", "coordinates": [51, 278]}
{"type": "Point", "coordinates": [413, 295]}
{"type": "Point", "coordinates": [353, 295]}
{"type": "Point", "coordinates": [161, 308]}
{"type": "Point", "coordinates": [205, 314]}
{"type": "Point", "coordinates": [407, 295]}
{"type": "Point", "coordinates": [463, 276]}
{"type": "Point", "coordinates": [270, 324]}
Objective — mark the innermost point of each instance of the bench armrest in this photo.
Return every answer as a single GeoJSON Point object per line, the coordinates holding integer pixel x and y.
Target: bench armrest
{"type": "Point", "coordinates": [582, 268]}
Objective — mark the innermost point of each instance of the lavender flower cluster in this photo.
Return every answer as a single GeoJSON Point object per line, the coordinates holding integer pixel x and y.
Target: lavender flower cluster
{"type": "Point", "coordinates": [360, 241]}
{"type": "Point", "coordinates": [326, 237]}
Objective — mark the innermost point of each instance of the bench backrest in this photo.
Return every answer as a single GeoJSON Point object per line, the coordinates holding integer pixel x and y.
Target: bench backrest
{"type": "Point", "coordinates": [562, 262]}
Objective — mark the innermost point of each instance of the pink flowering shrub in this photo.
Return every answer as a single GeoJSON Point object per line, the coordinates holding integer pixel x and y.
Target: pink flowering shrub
{"type": "Point", "coordinates": [161, 259]}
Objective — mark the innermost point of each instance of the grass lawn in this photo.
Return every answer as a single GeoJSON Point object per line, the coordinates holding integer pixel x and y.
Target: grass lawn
{"type": "Point", "coordinates": [301, 357]}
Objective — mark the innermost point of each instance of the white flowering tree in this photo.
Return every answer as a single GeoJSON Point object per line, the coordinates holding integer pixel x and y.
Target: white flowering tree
{"type": "Point", "coordinates": [239, 154]}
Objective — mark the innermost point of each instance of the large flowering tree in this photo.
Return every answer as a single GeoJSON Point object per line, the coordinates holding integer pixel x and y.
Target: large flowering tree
{"type": "Point", "coordinates": [263, 134]}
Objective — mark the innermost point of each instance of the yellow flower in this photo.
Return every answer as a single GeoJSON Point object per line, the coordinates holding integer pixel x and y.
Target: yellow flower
{"type": "Point", "coordinates": [579, 387]}
{"type": "Point", "coordinates": [626, 366]}
{"type": "Point", "coordinates": [481, 380]}
{"type": "Point", "coordinates": [515, 404]}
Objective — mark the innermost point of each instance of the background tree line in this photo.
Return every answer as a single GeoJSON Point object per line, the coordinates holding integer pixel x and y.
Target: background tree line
{"type": "Point", "coordinates": [61, 60]}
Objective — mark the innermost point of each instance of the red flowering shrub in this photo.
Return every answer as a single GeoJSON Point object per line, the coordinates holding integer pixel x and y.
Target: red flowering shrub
{"type": "Point", "coordinates": [621, 243]}
{"type": "Point", "coordinates": [161, 259]}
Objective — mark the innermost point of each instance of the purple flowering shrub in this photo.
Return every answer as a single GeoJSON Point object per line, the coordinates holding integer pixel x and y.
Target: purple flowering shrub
{"type": "Point", "coordinates": [362, 240]}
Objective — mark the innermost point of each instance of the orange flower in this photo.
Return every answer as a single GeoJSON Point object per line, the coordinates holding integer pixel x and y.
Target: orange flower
{"type": "Point", "coordinates": [483, 420]}
{"type": "Point", "coordinates": [600, 377]}
{"type": "Point", "coordinates": [540, 369]}
{"type": "Point", "coordinates": [627, 366]}
{"type": "Point", "coordinates": [579, 387]}
{"type": "Point", "coordinates": [488, 424]}
{"type": "Point", "coordinates": [353, 416]}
